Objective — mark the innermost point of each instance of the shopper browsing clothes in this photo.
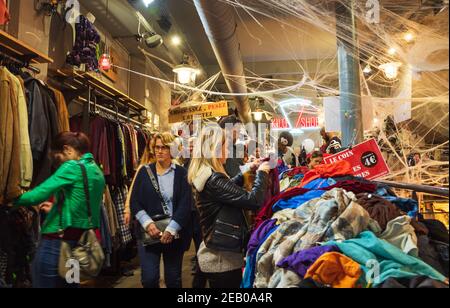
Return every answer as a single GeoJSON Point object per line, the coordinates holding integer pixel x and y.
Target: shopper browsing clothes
{"type": "Point", "coordinates": [314, 159]}
{"type": "Point", "coordinates": [332, 142]}
{"type": "Point", "coordinates": [161, 193]}
{"type": "Point", "coordinates": [220, 202]}
{"type": "Point", "coordinates": [68, 217]}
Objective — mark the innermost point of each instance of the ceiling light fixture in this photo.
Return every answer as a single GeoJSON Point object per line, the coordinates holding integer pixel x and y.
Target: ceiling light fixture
{"type": "Point", "coordinates": [176, 40]}
{"type": "Point", "coordinates": [408, 37]}
{"type": "Point", "coordinates": [259, 112]}
{"type": "Point", "coordinates": [105, 62]}
{"type": "Point", "coordinates": [367, 69]}
{"type": "Point", "coordinates": [390, 70]}
{"type": "Point", "coordinates": [392, 51]}
{"type": "Point", "coordinates": [186, 74]}
{"type": "Point", "coordinates": [147, 2]}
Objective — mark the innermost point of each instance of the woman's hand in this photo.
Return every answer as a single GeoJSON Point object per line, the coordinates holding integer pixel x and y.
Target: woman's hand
{"type": "Point", "coordinates": [254, 165]}
{"type": "Point", "coordinates": [265, 167]}
{"type": "Point", "coordinates": [127, 218]}
{"type": "Point", "coordinates": [167, 238]}
{"type": "Point", "coordinates": [46, 207]}
{"type": "Point", "coordinates": [154, 232]}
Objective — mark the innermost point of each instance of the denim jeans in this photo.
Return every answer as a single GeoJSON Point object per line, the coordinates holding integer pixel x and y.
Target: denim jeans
{"type": "Point", "coordinates": [150, 258]}
{"type": "Point", "coordinates": [45, 266]}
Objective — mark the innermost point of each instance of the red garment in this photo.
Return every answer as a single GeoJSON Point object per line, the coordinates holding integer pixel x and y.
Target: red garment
{"type": "Point", "coordinates": [340, 168]}
{"type": "Point", "coordinates": [4, 13]}
{"type": "Point", "coordinates": [354, 186]}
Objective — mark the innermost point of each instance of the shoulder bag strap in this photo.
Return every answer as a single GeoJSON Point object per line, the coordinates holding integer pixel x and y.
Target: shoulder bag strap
{"type": "Point", "coordinates": [86, 191]}
{"type": "Point", "coordinates": [158, 191]}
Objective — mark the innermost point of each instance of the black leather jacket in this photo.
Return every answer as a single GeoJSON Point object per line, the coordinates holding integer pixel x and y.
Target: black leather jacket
{"type": "Point", "coordinates": [221, 205]}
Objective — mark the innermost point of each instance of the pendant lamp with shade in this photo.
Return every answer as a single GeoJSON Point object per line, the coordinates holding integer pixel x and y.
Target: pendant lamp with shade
{"type": "Point", "coordinates": [105, 62]}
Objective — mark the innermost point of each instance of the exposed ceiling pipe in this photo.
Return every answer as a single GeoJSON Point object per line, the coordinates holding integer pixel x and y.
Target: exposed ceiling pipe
{"type": "Point", "coordinates": [220, 26]}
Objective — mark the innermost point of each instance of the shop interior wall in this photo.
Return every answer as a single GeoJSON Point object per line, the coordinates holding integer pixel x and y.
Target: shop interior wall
{"type": "Point", "coordinates": [34, 29]}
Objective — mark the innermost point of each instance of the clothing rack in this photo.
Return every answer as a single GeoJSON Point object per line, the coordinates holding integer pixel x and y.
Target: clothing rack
{"type": "Point", "coordinates": [20, 63]}
{"type": "Point", "coordinates": [438, 191]}
{"type": "Point", "coordinates": [81, 100]}
{"type": "Point", "coordinates": [87, 83]}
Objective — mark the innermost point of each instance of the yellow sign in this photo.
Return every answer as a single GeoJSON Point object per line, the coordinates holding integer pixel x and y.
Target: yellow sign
{"type": "Point", "coordinates": [205, 111]}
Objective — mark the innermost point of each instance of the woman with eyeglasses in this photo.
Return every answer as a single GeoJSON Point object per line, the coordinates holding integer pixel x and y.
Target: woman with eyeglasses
{"type": "Point", "coordinates": [161, 189]}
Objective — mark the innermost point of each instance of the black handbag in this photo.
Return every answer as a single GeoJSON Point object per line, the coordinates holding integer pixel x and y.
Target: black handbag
{"type": "Point", "coordinates": [161, 221]}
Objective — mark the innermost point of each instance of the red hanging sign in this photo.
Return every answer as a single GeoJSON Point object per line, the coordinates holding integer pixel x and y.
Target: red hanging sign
{"type": "Point", "coordinates": [366, 160]}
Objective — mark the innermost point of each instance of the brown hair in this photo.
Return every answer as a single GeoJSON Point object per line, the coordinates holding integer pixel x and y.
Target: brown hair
{"type": "Point", "coordinates": [149, 156]}
{"type": "Point", "coordinates": [314, 154]}
{"type": "Point", "coordinates": [79, 141]}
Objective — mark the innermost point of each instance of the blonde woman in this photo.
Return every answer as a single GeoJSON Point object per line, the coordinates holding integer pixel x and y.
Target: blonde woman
{"type": "Point", "coordinates": [220, 202]}
{"type": "Point", "coordinates": [175, 201]}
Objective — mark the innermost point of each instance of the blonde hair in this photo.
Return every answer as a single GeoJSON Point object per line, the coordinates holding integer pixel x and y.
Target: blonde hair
{"type": "Point", "coordinates": [206, 151]}
{"type": "Point", "coordinates": [167, 139]}
{"type": "Point", "coordinates": [149, 155]}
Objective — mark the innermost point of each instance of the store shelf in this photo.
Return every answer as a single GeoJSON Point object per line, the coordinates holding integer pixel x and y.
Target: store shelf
{"type": "Point", "coordinates": [100, 85]}
{"type": "Point", "coordinates": [20, 50]}
{"type": "Point", "coordinates": [78, 80]}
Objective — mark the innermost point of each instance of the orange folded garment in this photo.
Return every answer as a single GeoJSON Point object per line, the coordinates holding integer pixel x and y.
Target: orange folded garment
{"type": "Point", "coordinates": [340, 168]}
{"type": "Point", "coordinates": [336, 270]}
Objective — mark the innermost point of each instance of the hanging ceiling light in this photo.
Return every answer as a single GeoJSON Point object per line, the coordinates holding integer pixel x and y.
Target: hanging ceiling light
{"type": "Point", "coordinates": [186, 74]}
{"type": "Point", "coordinates": [408, 37]}
{"type": "Point", "coordinates": [392, 51]}
{"type": "Point", "coordinates": [259, 112]}
{"type": "Point", "coordinates": [367, 69]}
{"type": "Point", "coordinates": [105, 62]}
{"type": "Point", "coordinates": [176, 40]}
{"type": "Point", "coordinates": [390, 70]}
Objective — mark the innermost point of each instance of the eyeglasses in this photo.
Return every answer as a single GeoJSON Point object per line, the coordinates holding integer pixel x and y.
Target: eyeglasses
{"type": "Point", "coordinates": [161, 148]}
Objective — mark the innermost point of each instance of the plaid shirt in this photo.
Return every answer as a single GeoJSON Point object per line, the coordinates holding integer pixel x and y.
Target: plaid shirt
{"type": "Point", "coordinates": [120, 195]}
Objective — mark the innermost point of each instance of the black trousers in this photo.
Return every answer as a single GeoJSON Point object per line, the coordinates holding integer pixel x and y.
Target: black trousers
{"type": "Point", "coordinates": [199, 279]}
{"type": "Point", "coordinates": [227, 280]}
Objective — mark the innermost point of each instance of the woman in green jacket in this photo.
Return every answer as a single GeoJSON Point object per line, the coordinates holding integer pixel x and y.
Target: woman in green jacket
{"type": "Point", "coordinates": [68, 217]}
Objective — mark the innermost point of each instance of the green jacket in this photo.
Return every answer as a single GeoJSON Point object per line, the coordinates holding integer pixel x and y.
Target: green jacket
{"type": "Point", "coordinates": [69, 179]}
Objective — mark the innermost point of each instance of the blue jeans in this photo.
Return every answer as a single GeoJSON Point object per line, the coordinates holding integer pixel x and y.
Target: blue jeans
{"type": "Point", "coordinates": [45, 266]}
{"type": "Point", "coordinates": [150, 258]}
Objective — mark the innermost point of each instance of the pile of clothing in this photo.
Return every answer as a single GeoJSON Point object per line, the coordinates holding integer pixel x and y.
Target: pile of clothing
{"type": "Point", "coordinates": [337, 231]}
